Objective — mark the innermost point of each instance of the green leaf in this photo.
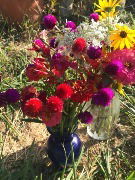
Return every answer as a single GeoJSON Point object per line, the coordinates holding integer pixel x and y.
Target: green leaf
{"type": "Point", "coordinates": [131, 176]}
{"type": "Point", "coordinates": [32, 120]}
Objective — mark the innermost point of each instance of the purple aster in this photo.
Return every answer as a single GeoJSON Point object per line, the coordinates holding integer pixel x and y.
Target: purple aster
{"type": "Point", "coordinates": [53, 43]}
{"type": "Point", "coordinates": [85, 117]}
{"type": "Point", "coordinates": [12, 95]}
{"type": "Point", "coordinates": [94, 16]}
{"type": "Point", "coordinates": [114, 67]}
{"type": "Point", "coordinates": [70, 24]}
{"type": "Point", "coordinates": [103, 97]}
{"type": "Point", "coordinates": [94, 52]}
{"type": "Point", "coordinates": [49, 21]}
{"type": "Point", "coordinates": [2, 99]}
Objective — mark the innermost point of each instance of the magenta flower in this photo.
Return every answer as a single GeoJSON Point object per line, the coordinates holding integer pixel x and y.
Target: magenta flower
{"type": "Point", "coordinates": [12, 95]}
{"type": "Point", "coordinates": [94, 16]}
{"type": "Point", "coordinates": [103, 97]}
{"type": "Point", "coordinates": [70, 24]}
{"type": "Point", "coordinates": [38, 45]}
{"type": "Point", "coordinates": [127, 57]}
{"type": "Point", "coordinates": [94, 52]}
{"type": "Point", "coordinates": [49, 21]}
{"type": "Point", "coordinates": [114, 67]}
{"type": "Point", "coordinates": [85, 117]}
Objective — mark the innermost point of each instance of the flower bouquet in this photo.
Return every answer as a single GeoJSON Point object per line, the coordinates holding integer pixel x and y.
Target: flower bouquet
{"type": "Point", "coordinates": [76, 76]}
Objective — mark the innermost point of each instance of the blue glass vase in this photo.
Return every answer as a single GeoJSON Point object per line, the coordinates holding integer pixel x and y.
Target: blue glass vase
{"type": "Point", "coordinates": [61, 150]}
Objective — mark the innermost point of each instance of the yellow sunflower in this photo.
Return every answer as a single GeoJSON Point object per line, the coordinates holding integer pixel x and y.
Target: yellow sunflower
{"type": "Point", "coordinates": [105, 15]}
{"type": "Point", "coordinates": [107, 7]}
{"type": "Point", "coordinates": [122, 37]}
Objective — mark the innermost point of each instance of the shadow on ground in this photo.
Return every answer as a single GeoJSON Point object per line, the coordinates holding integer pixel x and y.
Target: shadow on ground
{"type": "Point", "coordinates": [32, 162]}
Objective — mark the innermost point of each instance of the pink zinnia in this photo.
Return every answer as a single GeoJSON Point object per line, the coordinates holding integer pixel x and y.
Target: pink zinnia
{"type": "Point", "coordinates": [127, 58]}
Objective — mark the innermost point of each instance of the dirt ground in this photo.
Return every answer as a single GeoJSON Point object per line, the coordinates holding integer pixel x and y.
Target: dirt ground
{"type": "Point", "coordinates": [17, 147]}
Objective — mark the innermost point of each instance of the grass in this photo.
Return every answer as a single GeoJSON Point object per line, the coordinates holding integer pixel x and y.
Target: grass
{"type": "Point", "coordinates": [23, 145]}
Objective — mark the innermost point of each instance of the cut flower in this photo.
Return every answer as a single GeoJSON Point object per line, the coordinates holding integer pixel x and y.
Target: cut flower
{"type": "Point", "coordinates": [127, 58]}
{"type": "Point", "coordinates": [122, 37]}
{"type": "Point", "coordinates": [54, 104]}
{"type": "Point", "coordinates": [32, 107]}
{"type": "Point", "coordinates": [85, 117]}
{"type": "Point", "coordinates": [107, 7]}
{"type": "Point", "coordinates": [64, 91]}
{"type": "Point", "coordinates": [103, 97]}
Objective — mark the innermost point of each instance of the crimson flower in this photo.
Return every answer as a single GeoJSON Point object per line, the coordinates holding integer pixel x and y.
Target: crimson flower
{"type": "Point", "coordinates": [79, 45]}
{"type": "Point", "coordinates": [32, 107]}
{"type": "Point", "coordinates": [64, 91]}
{"type": "Point", "coordinates": [54, 104]}
{"type": "Point", "coordinates": [82, 91]}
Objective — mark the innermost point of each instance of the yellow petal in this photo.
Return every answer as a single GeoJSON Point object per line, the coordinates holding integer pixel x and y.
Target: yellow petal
{"type": "Point", "coordinates": [128, 44]}
{"type": "Point", "coordinates": [122, 43]}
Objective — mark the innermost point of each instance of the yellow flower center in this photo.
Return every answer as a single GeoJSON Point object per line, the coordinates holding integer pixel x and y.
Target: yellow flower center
{"type": "Point", "coordinates": [108, 9]}
{"type": "Point", "coordinates": [123, 34]}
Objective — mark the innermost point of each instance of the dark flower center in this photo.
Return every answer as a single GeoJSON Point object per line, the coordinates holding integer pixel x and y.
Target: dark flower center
{"type": "Point", "coordinates": [128, 65]}
{"type": "Point", "coordinates": [108, 9]}
{"type": "Point", "coordinates": [123, 34]}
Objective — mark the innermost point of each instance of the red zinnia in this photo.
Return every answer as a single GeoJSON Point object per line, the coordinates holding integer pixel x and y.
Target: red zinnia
{"type": "Point", "coordinates": [32, 107]}
{"type": "Point", "coordinates": [36, 71]}
{"type": "Point", "coordinates": [79, 45]}
{"type": "Point", "coordinates": [54, 104]}
{"type": "Point", "coordinates": [64, 91]}
{"type": "Point", "coordinates": [82, 91]}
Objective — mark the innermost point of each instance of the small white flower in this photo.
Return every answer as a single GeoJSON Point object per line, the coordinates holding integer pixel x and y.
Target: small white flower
{"type": "Point", "coordinates": [94, 33]}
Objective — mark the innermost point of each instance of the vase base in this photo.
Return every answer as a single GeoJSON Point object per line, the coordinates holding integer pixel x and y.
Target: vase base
{"type": "Point", "coordinates": [94, 135]}
{"type": "Point", "coordinates": [62, 150]}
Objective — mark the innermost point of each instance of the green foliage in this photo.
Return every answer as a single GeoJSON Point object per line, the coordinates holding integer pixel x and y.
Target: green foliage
{"type": "Point", "coordinates": [131, 176]}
